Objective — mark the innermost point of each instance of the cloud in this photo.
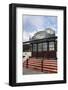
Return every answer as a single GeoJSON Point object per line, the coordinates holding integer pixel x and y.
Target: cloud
{"type": "Point", "coordinates": [27, 36]}
{"type": "Point", "coordinates": [33, 24]}
{"type": "Point", "coordinates": [36, 21]}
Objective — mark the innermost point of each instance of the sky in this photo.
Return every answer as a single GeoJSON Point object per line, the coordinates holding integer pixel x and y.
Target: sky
{"type": "Point", "coordinates": [35, 23]}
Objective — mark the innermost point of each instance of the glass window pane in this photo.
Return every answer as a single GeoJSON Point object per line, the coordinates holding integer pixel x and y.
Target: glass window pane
{"type": "Point", "coordinates": [34, 47]}
{"type": "Point", "coordinates": [44, 46]}
{"type": "Point", "coordinates": [51, 45]}
{"type": "Point", "coordinates": [30, 48]}
{"type": "Point", "coordinates": [51, 48]}
{"type": "Point", "coordinates": [40, 47]}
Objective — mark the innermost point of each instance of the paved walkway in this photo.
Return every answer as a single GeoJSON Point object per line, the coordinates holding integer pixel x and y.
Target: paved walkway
{"type": "Point", "coordinates": [36, 66]}
{"type": "Point", "coordinates": [29, 71]}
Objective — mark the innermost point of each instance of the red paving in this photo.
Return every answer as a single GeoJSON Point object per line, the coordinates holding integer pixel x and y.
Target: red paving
{"type": "Point", "coordinates": [49, 66]}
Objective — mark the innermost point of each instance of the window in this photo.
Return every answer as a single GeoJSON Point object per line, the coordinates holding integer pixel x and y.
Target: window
{"type": "Point", "coordinates": [44, 46]}
{"type": "Point", "coordinates": [51, 46]}
{"type": "Point", "coordinates": [30, 49]}
{"type": "Point", "coordinates": [40, 47]}
{"type": "Point", "coordinates": [34, 47]}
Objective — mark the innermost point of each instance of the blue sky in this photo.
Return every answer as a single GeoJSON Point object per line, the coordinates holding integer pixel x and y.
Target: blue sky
{"type": "Point", "coordinates": [32, 24]}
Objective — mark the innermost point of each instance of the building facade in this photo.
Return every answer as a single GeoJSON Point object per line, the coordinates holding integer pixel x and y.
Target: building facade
{"type": "Point", "coordinates": [42, 45]}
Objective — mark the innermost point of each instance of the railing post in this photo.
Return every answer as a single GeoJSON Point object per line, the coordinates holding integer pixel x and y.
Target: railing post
{"type": "Point", "coordinates": [42, 65]}
{"type": "Point", "coordinates": [27, 63]}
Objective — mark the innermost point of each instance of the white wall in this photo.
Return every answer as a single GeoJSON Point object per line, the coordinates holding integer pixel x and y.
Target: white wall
{"type": "Point", "coordinates": [4, 47]}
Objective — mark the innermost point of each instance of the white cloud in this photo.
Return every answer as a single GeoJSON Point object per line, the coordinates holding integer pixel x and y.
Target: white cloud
{"type": "Point", "coordinates": [36, 21]}
{"type": "Point", "coordinates": [27, 36]}
{"type": "Point", "coordinates": [32, 33]}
